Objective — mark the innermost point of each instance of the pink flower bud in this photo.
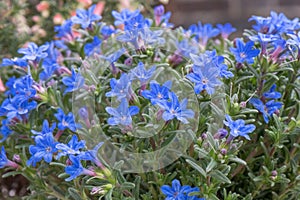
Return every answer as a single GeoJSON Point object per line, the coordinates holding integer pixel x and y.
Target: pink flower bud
{"type": "Point", "coordinates": [42, 6]}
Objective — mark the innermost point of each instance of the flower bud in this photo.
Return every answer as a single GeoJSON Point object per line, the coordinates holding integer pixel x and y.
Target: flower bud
{"type": "Point", "coordinates": [128, 61]}
{"type": "Point", "coordinates": [223, 151]}
{"type": "Point", "coordinates": [17, 158]}
{"type": "Point", "coordinates": [243, 104]}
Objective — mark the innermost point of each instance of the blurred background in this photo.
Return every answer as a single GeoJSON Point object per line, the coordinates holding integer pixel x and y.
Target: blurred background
{"type": "Point", "coordinates": [34, 20]}
{"type": "Point", "coordinates": [237, 12]}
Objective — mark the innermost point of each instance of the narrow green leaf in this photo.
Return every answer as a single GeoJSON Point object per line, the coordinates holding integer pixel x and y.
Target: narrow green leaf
{"type": "Point", "coordinates": [219, 176]}
{"type": "Point", "coordinates": [196, 167]}
{"type": "Point", "coordinates": [74, 193]}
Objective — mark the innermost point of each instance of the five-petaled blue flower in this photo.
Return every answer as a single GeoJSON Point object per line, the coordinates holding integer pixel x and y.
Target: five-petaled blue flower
{"type": "Point", "coordinates": [141, 73]}
{"type": "Point", "coordinates": [266, 109]}
{"type": "Point", "coordinates": [238, 128]}
{"type": "Point", "coordinates": [74, 82]}
{"type": "Point", "coordinates": [205, 78]}
{"type": "Point", "coordinates": [157, 93]}
{"type": "Point", "coordinates": [244, 52]}
{"type": "Point", "coordinates": [66, 121]}
{"type": "Point", "coordinates": [120, 88]}
{"type": "Point", "coordinates": [76, 169]}
{"type": "Point", "coordinates": [124, 16]}
{"type": "Point", "coordinates": [85, 17]}
{"type": "Point", "coordinates": [45, 129]}
{"type": "Point", "coordinates": [174, 109]}
{"type": "Point", "coordinates": [44, 148]}
{"type": "Point", "coordinates": [204, 32]}
{"type": "Point", "coordinates": [178, 192]}
{"type": "Point", "coordinates": [226, 29]}
{"type": "Point", "coordinates": [33, 52]}
{"type": "Point", "coordinates": [122, 114]}
{"type": "Point", "coordinates": [72, 148]}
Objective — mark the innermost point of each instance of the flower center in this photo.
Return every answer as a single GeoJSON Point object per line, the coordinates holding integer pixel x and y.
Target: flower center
{"type": "Point", "coordinates": [243, 55]}
{"type": "Point", "coordinates": [64, 123]}
{"type": "Point", "coordinates": [159, 95]}
{"type": "Point", "coordinates": [205, 81]}
{"type": "Point", "coordinates": [48, 149]}
{"type": "Point", "coordinates": [123, 118]}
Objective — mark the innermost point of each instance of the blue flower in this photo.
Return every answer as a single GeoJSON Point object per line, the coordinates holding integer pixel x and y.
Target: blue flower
{"type": "Point", "coordinates": [124, 16]}
{"type": "Point", "coordinates": [157, 93]}
{"type": "Point", "coordinates": [23, 88]}
{"type": "Point", "coordinates": [178, 192]}
{"type": "Point", "coordinates": [44, 148]}
{"type": "Point", "coordinates": [226, 29]}
{"type": "Point", "coordinates": [266, 109]}
{"type": "Point", "coordinates": [294, 40]}
{"type": "Point", "coordinates": [15, 109]}
{"type": "Point", "coordinates": [91, 155]}
{"type": "Point", "coordinates": [4, 162]}
{"type": "Point", "coordinates": [64, 30]}
{"type": "Point", "coordinates": [93, 47]}
{"type": "Point", "coordinates": [264, 39]}
{"type": "Point", "coordinates": [72, 148]}
{"type": "Point", "coordinates": [141, 37]}
{"type": "Point", "coordinates": [205, 78]}
{"type": "Point", "coordinates": [33, 52]}
{"type": "Point", "coordinates": [15, 61]}
{"type": "Point", "coordinates": [262, 25]}
{"type": "Point", "coordinates": [107, 31]}
{"type": "Point", "coordinates": [76, 169]}
{"type": "Point", "coordinates": [85, 17]}
{"type": "Point", "coordinates": [3, 159]}
{"type": "Point", "coordinates": [120, 88]}
{"type": "Point", "coordinates": [66, 121]}
{"type": "Point", "coordinates": [272, 94]}
{"type": "Point", "coordinates": [74, 82]}
{"type": "Point", "coordinates": [141, 73]}
{"type": "Point", "coordinates": [45, 128]}
{"type": "Point", "coordinates": [238, 127]}
{"type": "Point", "coordinates": [213, 60]}
{"type": "Point", "coordinates": [185, 48]}
{"type": "Point", "coordinates": [204, 32]}
{"type": "Point", "coordinates": [48, 70]}
{"type": "Point", "coordinates": [122, 114]}
{"type": "Point", "coordinates": [5, 131]}
{"type": "Point", "coordinates": [174, 109]}
{"type": "Point", "coordinates": [111, 58]}
{"type": "Point", "coordinates": [244, 52]}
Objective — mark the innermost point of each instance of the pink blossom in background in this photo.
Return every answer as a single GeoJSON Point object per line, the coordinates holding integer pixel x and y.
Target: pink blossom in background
{"type": "Point", "coordinates": [2, 88]}
{"type": "Point", "coordinates": [99, 8]}
{"type": "Point", "coordinates": [85, 3]}
{"type": "Point", "coordinates": [58, 18]}
{"type": "Point", "coordinates": [42, 6]}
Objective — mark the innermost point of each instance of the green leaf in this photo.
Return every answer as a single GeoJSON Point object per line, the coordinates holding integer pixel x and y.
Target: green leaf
{"type": "Point", "coordinates": [197, 167]}
{"type": "Point", "coordinates": [127, 185]}
{"type": "Point", "coordinates": [212, 164]}
{"type": "Point", "coordinates": [220, 176]}
{"type": "Point", "coordinates": [12, 173]}
{"type": "Point", "coordinates": [74, 193]}
{"type": "Point", "coordinates": [238, 160]}
{"type": "Point", "coordinates": [136, 191]}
